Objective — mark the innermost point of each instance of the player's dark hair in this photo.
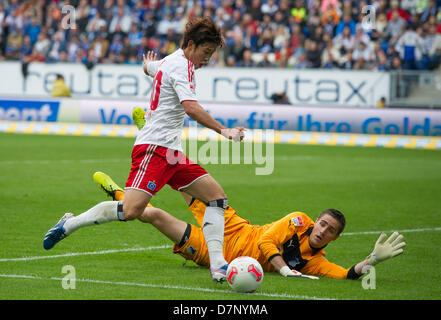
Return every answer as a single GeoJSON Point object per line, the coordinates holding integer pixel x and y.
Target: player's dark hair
{"type": "Point", "coordinates": [202, 30]}
{"type": "Point", "coordinates": [337, 215]}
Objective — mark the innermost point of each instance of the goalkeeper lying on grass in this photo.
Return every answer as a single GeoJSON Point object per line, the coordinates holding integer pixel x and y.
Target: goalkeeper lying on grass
{"type": "Point", "coordinates": [292, 246]}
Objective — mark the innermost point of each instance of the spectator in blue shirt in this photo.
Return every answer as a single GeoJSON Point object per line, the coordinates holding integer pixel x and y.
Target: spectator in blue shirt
{"type": "Point", "coordinates": [135, 35]}
{"type": "Point", "coordinates": [431, 10]}
{"type": "Point", "coordinates": [116, 46]}
{"type": "Point", "coordinates": [33, 30]}
{"type": "Point", "coordinates": [345, 22]}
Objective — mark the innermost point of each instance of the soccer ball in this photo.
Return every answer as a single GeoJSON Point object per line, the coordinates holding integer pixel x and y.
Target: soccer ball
{"type": "Point", "coordinates": [244, 274]}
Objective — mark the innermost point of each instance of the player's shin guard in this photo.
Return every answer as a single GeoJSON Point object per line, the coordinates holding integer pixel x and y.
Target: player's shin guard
{"type": "Point", "coordinates": [103, 212]}
{"type": "Point", "coordinates": [213, 229]}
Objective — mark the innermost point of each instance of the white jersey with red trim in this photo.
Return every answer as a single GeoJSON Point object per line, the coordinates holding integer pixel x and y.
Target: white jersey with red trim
{"type": "Point", "coordinates": [173, 83]}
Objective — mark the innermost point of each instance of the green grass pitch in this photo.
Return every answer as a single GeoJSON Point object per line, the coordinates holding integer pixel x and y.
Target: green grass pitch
{"type": "Point", "coordinates": [42, 177]}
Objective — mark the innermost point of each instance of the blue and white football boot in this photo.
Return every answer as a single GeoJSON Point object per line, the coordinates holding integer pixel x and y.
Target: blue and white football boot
{"type": "Point", "coordinates": [57, 233]}
{"type": "Point", "coordinates": [219, 274]}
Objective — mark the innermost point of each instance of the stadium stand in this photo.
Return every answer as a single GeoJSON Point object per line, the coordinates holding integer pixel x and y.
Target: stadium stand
{"type": "Point", "coordinates": [297, 34]}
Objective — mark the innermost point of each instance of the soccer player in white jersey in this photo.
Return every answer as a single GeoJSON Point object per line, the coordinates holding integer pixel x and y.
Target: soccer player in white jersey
{"type": "Point", "coordinates": [157, 157]}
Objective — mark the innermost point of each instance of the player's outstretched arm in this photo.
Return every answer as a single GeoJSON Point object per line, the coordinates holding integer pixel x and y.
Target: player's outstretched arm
{"type": "Point", "coordinates": [280, 266]}
{"type": "Point", "coordinates": [195, 111]}
{"type": "Point", "coordinates": [384, 249]}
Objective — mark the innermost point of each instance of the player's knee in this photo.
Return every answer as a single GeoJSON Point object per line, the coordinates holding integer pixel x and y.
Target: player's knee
{"type": "Point", "coordinates": [132, 212]}
{"type": "Point", "coordinates": [131, 215]}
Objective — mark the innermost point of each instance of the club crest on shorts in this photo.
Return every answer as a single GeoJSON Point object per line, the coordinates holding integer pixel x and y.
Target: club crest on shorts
{"type": "Point", "coordinates": [151, 185]}
{"type": "Point", "coordinates": [297, 221]}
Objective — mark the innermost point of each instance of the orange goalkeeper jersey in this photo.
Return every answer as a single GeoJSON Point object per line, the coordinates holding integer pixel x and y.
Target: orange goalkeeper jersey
{"type": "Point", "coordinates": [287, 237]}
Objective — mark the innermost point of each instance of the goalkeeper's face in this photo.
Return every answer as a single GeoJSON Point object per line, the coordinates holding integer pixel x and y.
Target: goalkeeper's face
{"type": "Point", "coordinates": [326, 229]}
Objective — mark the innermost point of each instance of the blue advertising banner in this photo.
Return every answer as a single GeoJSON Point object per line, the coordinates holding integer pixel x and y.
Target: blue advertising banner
{"type": "Point", "coordinates": [29, 110]}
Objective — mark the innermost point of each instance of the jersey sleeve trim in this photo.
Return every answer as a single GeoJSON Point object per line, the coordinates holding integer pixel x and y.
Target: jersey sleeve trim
{"type": "Point", "coordinates": [273, 256]}
{"type": "Point", "coordinates": [352, 274]}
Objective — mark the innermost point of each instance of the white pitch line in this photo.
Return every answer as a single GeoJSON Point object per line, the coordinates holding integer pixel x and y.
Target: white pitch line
{"type": "Point", "coordinates": [389, 231]}
{"type": "Point", "coordinates": [73, 254]}
{"type": "Point", "coordinates": [158, 286]}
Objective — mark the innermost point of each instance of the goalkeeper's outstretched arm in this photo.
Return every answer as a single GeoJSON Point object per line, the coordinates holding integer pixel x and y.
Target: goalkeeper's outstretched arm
{"type": "Point", "coordinates": [384, 249]}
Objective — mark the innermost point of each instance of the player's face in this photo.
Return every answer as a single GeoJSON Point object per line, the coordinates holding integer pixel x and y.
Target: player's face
{"type": "Point", "coordinates": [325, 230]}
{"type": "Point", "coordinates": [201, 54]}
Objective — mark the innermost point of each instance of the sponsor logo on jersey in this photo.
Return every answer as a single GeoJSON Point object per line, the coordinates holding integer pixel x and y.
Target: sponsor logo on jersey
{"type": "Point", "coordinates": [297, 221]}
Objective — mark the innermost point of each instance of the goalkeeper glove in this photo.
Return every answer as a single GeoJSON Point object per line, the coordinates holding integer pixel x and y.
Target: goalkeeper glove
{"type": "Point", "coordinates": [386, 249]}
{"type": "Point", "coordinates": [287, 272]}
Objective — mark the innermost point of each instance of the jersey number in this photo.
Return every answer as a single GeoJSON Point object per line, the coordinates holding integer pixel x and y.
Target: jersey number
{"type": "Point", "coordinates": [154, 99]}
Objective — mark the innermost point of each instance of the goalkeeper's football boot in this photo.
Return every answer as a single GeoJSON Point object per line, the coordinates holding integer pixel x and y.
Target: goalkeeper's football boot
{"type": "Point", "coordinates": [107, 184]}
{"type": "Point", "coordinates": [57, 233]}
{"type": "Point", "coordinates": [138, 116]}
{"type": "Point", "coordinates": [219, 274]}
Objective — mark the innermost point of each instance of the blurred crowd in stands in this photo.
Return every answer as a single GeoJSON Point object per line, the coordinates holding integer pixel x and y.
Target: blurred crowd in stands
{"type": "Point", "coordinates": [294, 34]}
